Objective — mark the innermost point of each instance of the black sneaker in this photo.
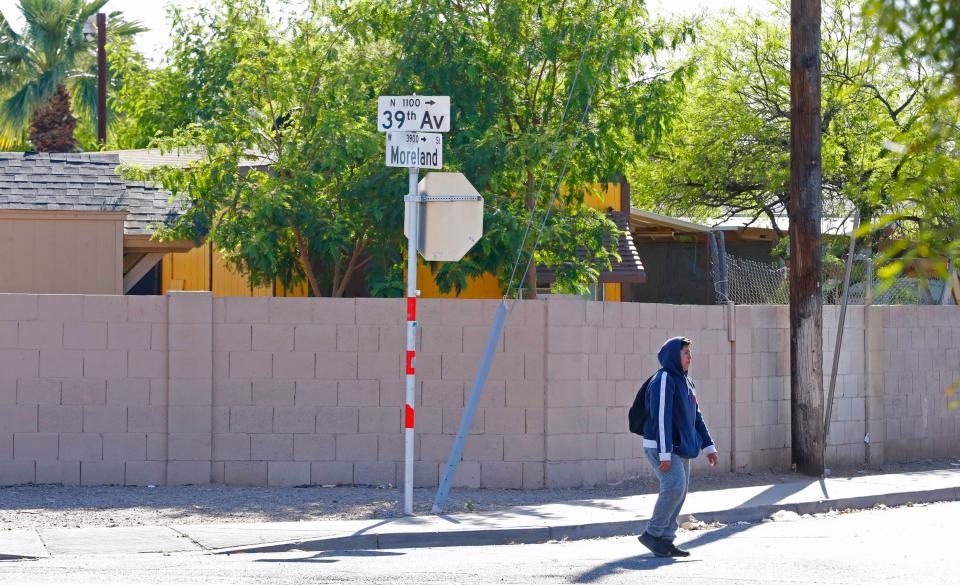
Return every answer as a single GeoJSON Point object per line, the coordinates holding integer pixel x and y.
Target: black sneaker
{"type": "Point", "coordinates": [657, 546]}
{"type": "Point", "coordinates": [677, 552]}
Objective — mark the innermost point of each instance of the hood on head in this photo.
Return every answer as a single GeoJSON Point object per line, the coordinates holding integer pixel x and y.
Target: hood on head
{"type": "Point", "coordinates": [669, 355]}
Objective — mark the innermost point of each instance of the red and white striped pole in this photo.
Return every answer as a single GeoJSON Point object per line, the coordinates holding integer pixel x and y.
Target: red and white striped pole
{"type": "Point", "coordinates": [413, 237]}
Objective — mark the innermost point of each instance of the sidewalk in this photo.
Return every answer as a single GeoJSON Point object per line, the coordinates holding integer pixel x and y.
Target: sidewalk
{"type": "Point", "coordinates": [525, 524]}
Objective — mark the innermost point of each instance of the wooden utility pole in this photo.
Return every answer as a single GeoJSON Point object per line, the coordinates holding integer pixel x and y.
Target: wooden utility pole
{"type": "Point", "coordinates": [805, 210]}
{"type": "Point", "coordinates": [101, 78]}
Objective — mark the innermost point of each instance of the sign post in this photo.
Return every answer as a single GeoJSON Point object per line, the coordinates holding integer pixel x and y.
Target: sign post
{"type": "Point", "coordinates": [410, 361]}
{"type": "Point", "coordinates": [408, 122]}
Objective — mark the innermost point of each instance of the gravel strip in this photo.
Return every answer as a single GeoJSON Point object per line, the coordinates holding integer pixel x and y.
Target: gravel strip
{"type": "Point", "coordinates": [52, 506]}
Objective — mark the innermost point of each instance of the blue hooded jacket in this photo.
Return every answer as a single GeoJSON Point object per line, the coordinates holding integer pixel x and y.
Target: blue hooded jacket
{"type": "Point", "coordinates": [674, 423]}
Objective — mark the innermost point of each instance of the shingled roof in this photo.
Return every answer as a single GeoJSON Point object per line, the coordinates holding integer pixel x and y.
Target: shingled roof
{"type": "Point", "coordinates": [628, 269]}
{"type": "Point", "coordinates": [81, 182]}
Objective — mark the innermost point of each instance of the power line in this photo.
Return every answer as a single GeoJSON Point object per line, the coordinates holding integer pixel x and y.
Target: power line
{"type": "Point", "coordinates": [573, 146]}
{"type": "Point", "coordinates": [553, 149]}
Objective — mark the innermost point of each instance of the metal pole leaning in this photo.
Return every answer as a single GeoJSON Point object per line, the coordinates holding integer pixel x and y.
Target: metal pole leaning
{"type": "Point", "coordinates": [467, 421]}
{"type": "Point", "coordinates": [413, 217]}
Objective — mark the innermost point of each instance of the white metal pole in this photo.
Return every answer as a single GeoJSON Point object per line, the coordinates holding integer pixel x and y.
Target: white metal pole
{"type": "Point", "coordinates": [412, 239]}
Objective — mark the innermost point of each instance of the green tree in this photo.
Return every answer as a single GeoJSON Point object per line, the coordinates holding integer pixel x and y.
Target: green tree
{"type": "Point", "coordinates": [296, 96]}
{"type": "Point", "coordinates": [729, 151]}
{"type": "Point", "coordinates": [48, 71]}
{"type": "Point", "coordinates": [509, 67]}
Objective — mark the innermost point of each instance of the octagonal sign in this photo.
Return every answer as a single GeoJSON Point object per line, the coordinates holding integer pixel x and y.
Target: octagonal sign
{"type": "Point", "coordinates": [451, 217]}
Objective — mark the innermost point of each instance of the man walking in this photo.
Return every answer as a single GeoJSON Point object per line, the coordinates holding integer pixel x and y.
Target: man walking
{"type": "Point", "coordinates": [674, 433]}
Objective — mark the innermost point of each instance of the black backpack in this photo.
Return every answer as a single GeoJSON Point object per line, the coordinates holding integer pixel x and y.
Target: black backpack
{"type": "Point", "coordinates": [638, 412]}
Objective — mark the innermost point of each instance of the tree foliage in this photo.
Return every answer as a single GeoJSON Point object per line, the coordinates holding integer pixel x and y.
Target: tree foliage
{"type": "Point", "coordinates": [51, 57]}
{"type": "Point", "coordinates": [729, 152]}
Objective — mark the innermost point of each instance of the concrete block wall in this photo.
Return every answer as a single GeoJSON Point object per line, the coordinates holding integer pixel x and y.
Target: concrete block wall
{"type": "Point", "coordinates": [193, 389]}
{"type": "Point", "coordinates": [83, 389]}
{"type": "Point", "coordinates": [309, 392]}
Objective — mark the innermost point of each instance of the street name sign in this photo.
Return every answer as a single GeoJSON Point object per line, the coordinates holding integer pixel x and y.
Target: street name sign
{"type": "Point", "coordinates": [413, 113]}
{"type": "Point", "coordinates": [415, 149]}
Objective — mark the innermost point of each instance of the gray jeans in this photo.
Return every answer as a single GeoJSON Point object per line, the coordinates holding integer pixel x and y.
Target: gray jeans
{"type": "Point", "coordinates": [673, 491]}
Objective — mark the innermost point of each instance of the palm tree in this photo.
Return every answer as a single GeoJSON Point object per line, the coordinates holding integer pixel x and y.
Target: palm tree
{"type": "Point", "coordinates": [49, 70]}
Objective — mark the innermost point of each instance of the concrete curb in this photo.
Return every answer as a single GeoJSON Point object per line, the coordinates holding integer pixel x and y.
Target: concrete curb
{"type": "Point", "coordinates": [560, 531]}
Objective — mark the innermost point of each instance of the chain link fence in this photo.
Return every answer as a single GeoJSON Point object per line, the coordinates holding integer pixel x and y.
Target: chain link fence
{"type": "Point", "coordinates": [748, 282]}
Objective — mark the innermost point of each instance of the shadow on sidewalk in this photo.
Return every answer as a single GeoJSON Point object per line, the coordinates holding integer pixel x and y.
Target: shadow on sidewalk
{"type": "Point", "coordinates": [648, 562]}
{"type": "Point", "coordinates": [331, 556]}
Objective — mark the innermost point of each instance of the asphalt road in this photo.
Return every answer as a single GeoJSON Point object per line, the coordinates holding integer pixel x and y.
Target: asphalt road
{"type": "Point", "coordinates": [908, 546]}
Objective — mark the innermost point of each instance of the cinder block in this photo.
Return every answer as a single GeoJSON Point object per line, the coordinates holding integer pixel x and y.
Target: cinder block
{"type": "Point", "coordinates": [429, 419]}
{"type": "Point", "coordinates": [331, 473]}
{"type": "Point", "coordinates": [292, 365]}
{"type": "Point", "coordinates": [390, 447]}
{"type": "Point", "coordinates": [336, 366]}
{"type": "Point", "coordinates": [157, 447]}
{"type": "Point", "coordinates": [130, 336]}
{"type": "Point", "coordinates": [36, 446]}
{"type": "Point", "coordinates": [566, 367]}
{"type": "Point", "coordinates": [231, 447]}
{"type": "Point", "coordinates": [275, 338]}
{"type": "Point", "coordinates": [148, 309]}
{"type": "Point", "coordinates": [249, 473]}
{"type": "Point", "coordinates": [536, 421]}
{"type": "Point", "coordinates": [356, 447]}
{"type": "Point", "coordinates": [291, 310]}
{"type": "Point", "coordinates": [57, 307]}
{"type": "Point", "coordinates": [523, 448]}
{"type": "Point", "coordinates": [147, 364]}
{"type": "Point", "coordinates": [294, 419]}
{"type": "Point", "coordinates": [337, 420]}
{"type": "Point", "coordinates": [312, 447]}
{"type": "Point", "coordinates": [40, 335]}
{"type": "Point", "coordinates": [8, 335]}
{"type": "Point", "coordinates": [232, 336]}
{"type": "Point", "coordinates": [442, 339]}
{"type": "Point", "coordinates": [375, 366]}
{"type": "Point", "coordinates": [6, 446]}
{"type": "Point", "coordinates": [467, 476]}
{"type": "Point", "coordinates": [188, 473]}
{"type": "Point", "coordinates": [334, 311]}
{"type": "Point", "coordinates": [190, 307]}
{"type": "Point", "coordinates": [106, 364]}
{"type": "Point", "coordinates": [158, 337]}
{"type": "Point", "coordinates": [60, 363]}
{"type": "Point", "coordinates": [385, 419]}
{"type": "Point", "coordinates": [60, 419]}
{"type": "Point", "coordinates": [60, 472]}
{"type": "Point", "coordinates": [147, 419]}
{"type": "Point", "coordinates": [374, 473]}
{"type": "Point", "coordinates": [524, 393]}
{"type": "Point", "coordinates": [251, 364]}
{"type": "Point", "coordinates": [190, 364]}
{"type": "Point", "coordinates": [533, 475]}
{"type": "Point", "coordinates": [18, 307]}
{"type": "Point", "coordinates": [562, 311]}
{"type": "Point", "coordinates": [104, 419]}
{"type": "Point", "coordinates": [358, 393]}
{"type": "Point", "coordinates": [124, 447]}
{"type": "Point", "coordinates": [271, 447]}
{"type": "Point", "coordinates": [501, 475]}
{"type": "Point", "coordinates": [504, 421]}
{"type": "Point", "coordinates": [483, 448]}
{"type": "Point", "coordinates": [143, 473]}
{"type": "Point", "coordinates": [190, 419]}
{"type": "Point", "coordinates": [105, 308]}
{"type": "Point", "coordinates": [443, 394]}
{"type": "Point", "coordinates": [288, 473]}
{"type": "Point", "coordinates": [571, 447]}
{"type": "Point", "coordinates": [273, 392]}
{"type": "Point", "coordinates": [18, 419]}
{"type": "Point", "coordinates": [371, 311]}
{"type": "Point", "coordinates": [101, 472]}
{"type": "Point", "coordinates": [315, 393]}
{"type": "Point", "coordinates": [17, 472]}
{"type": "Point", "coordinates": [81, 447]}
{"type": "Point", "coordinates": [128, 392]}
{"type": "Point", "coordinates": [505, 366]}
{"type": "Point", "coordinates": [232, 392]}
{"type": "Point", "coordinates": [20, 363]}
{"type": "Point", "coordinates": [315, 338]}
{"type": "Point", "coordinates": [534, 366]}
{"type": "Point", "coordinates": [247, 310]}
{"type": "Point", "coordinates": [251, 419]}
{"type": "Point", "coordinates": [425, 474]}
{"type": "Point", "coordinates": [190, 447]}
{"type": "Point", "coordinates": [38, 391]}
